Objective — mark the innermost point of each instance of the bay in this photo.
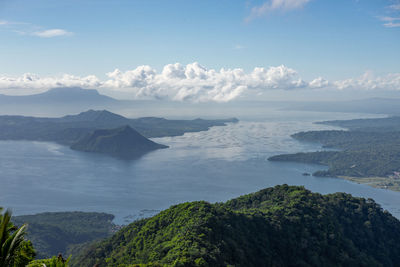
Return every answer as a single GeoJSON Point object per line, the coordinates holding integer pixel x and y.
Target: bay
{"type": "Point", "coordinates": [214, 165]}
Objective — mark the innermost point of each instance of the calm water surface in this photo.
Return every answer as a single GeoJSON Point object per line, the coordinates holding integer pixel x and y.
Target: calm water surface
{"type": "Point", "coordinates": [215, 165]}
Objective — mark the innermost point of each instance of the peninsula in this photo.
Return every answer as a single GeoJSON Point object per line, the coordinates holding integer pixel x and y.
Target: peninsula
{"type": "Point", "coordinates": [369, 152]}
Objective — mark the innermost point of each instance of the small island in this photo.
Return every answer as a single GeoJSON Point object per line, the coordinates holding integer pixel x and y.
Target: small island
{"type": "Point", "coordinates": [123, 142]}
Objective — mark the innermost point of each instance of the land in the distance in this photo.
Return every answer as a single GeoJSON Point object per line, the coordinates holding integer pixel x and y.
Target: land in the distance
{"type": "Point", "coordinates": [369, 152]}
{"type": "Point", "coordinates": [101, 131]}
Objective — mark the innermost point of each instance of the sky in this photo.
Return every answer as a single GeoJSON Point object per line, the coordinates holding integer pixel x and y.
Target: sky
{"type": "Point", "coordinates": [208, 50]}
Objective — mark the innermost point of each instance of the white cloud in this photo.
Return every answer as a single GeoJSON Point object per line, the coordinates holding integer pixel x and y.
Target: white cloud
{"type": "Point", "coordinates": [272, 5]}
{"type": "Point", "coordinates": [392, 21]}
{"type": "Point", "coordinates": [51, 33]}
{"type": "Point", "coordinates": [392, 24]}
{"type": "Point", "coordinates": [389, 19]}
{"type": "Point", "coordinates": [319, 83]}
{"type": "Point", "coordinates": [368, 81]}
{"type": "Point", "coordinates": [238, 47]}
{"type": "Point", "coordinates": [24, 28]}
{"type": "Point", "coordinates": [196, 83]}
{"type": "Point", "coordinates": [395, 7]}
{"type": "Point", "coordinates": [32, 81]}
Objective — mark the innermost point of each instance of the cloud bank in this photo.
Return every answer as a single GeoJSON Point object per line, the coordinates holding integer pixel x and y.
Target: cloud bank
{"type": "Point", "coordinates": [196, 83]}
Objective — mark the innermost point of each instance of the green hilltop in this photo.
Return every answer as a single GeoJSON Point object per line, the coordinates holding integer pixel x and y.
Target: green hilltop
{"type": "Point", "coordinates": [279, 226]}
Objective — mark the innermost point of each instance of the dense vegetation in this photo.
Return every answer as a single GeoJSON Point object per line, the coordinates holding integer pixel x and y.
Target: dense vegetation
{"type": "Point", "coordinates": [123, 142]}
{"type": "Point", "coordinates": [58, 261]}
{"type": "Point", "coordinates": [15, 251]}
{"type": "Point", "coordinates": [57, 232]}
{"type": "Point", "coordinates": [370, 149]}
{"type": "Point", "coordinates": [280, 226]}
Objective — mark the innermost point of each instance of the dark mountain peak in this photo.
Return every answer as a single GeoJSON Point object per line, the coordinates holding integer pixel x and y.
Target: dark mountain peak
{"type": "Point", "coordinates": [96, 116]}
{"type": "Point", "coordinates": [127, 129]}
{"type": "Point", "coordinates": [70, 90]}
{"type": "Point", "coordinates": [61, 95]}
{"type": "Point", "coordinates": [122, 142]}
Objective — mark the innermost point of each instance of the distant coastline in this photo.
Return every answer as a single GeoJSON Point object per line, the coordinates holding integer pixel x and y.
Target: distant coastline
{"type": "Point", "coordinates": [366, 153]}
{"type": "Point", "coordinates": [102, 131]}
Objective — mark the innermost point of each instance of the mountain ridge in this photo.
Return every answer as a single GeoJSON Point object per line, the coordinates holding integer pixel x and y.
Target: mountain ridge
{"type": "Point", "coordinates": [59, 95]}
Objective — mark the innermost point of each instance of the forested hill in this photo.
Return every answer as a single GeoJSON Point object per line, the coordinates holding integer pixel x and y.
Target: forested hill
{"type": "Point", "coordinates": [57, 232]}
{"type": "Point", "coordinates": [280, 226]}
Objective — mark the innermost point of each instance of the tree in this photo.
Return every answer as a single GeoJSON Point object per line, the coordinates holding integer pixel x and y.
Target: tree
{"type": "Point", "coordinates": [14, 250]}
{"type": "Point", "coordinates": [53, 262]}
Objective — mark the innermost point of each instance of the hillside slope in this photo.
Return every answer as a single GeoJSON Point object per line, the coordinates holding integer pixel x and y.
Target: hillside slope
{"type": "Point", "coordinates": [280, 226]}
{"type": "Point", "coordinates": [56, 232]}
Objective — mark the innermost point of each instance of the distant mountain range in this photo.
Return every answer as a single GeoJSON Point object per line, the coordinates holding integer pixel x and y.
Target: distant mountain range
{"type": "Point", "coordinates": [62, 95]}
{"type": "Point", "coordinates": [67, 100]}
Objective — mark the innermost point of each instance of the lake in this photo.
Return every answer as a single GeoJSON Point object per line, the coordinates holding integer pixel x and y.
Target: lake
{"type": "Point", "coordinates": [215, 165]}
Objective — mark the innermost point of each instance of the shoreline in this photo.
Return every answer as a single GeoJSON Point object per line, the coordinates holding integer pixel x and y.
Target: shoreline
{"type": "Point", "coordinates": [376, 182]}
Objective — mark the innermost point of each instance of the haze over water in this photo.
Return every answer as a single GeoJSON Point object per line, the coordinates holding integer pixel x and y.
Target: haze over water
{"type": "Point", "coordinates": [214, 165]}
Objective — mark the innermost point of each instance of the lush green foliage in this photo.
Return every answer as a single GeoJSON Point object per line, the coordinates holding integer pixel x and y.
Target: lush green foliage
{"type": "Point", "coordinates": [14, 249]}
{"type": "Point", "coordinates": [364, 151]}
{"type": "Point", "coordinates": [53, 262]}
{"type": "Point", "coordinates": [56, 232]}
{"type": "Point", "coordinates": [280, 226]}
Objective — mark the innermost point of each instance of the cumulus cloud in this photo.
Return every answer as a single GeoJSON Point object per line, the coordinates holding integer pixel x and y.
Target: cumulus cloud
{"type": "Point", "coordinates": [196, 83]}
{"type": "Point", "coordinates": [273, 5]}
{"type": "Point", "coordinates": [319, 83]}
{"type": "Point", "coordinates": [369, 81]}
{"type": "Point", "coordinates": [51, 33]}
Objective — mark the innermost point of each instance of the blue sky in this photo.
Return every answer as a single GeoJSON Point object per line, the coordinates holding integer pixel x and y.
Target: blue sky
{"type": "Point", "coordinates": [333, 39]}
